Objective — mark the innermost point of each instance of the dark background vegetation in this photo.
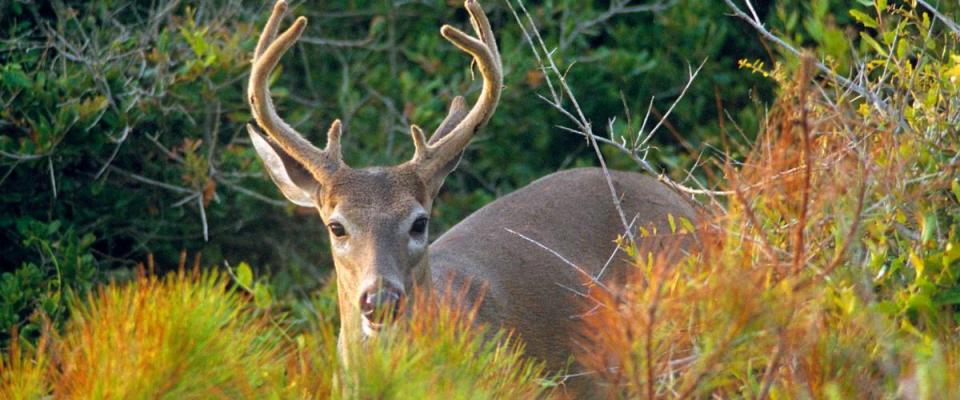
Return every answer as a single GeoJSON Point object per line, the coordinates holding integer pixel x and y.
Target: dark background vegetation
{"type": "Point", "coordinates": [121, 122]}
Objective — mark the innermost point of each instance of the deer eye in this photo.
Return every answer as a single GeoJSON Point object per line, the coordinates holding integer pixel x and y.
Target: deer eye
{"type": "Point", "coordinates": [419, 226]}
{"type": "Point", "coordinates": [337, 229]}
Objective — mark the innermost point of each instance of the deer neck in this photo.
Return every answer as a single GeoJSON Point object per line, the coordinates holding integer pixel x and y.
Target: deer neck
{"type": "Point", "coordinates": [351, 331]}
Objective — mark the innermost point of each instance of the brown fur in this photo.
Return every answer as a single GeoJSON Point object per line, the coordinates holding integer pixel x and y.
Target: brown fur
{"type": "Point", "coordinates": [571, 213]}
{"type": "Point", "coordinates": [527, 289]}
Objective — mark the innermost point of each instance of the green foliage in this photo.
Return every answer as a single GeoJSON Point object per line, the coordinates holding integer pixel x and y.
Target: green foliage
{"type": "Point", "coordinates": [124, 120]}
{"type": "Point", "coordinates": [65, 266]}
{"type": "Point", "coordinates": [121, 139]}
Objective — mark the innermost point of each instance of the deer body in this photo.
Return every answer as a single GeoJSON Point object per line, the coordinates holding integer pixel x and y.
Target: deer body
{"type": "Point", "coordinates": [530, 290]}
{"type": "Point", "coordinates": [531, 251]}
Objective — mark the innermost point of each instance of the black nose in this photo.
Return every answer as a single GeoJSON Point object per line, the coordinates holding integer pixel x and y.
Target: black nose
{"type": "Point", "coordinates": [381, 304]}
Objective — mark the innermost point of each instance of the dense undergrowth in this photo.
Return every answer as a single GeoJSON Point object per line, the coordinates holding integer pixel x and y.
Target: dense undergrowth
{"type": "Point", "coordinates": [832, 268]}
{"type": "Point", "coordinates": [829, 267]}
{"type": "Point", "coordinates": [189, 335]}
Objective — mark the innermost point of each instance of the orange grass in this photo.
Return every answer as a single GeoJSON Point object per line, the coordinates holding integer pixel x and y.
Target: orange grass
{"type": "Point", "coordinates": [190, 335]}
{"type": "Point", "coordinates": [22, 371]}
{"type": "Point", "coordinates": [183, 336]}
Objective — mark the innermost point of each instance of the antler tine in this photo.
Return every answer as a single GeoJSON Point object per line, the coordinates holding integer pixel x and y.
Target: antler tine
{"type": "Point", "coordinates": [458, 111]}
{"type": "Point", "coordinates": [270, 48]}
{"type": "Point", "coordinates": [481, 25]}
{"type": "Point", "coordinates": [270, 29]}
{"type": "Point", "coordinates": [419, 143]}
{"type": "Point", "coordinates": [483, 48]}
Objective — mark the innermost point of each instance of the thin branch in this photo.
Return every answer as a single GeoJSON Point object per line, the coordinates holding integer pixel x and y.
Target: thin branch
{"type": "Point", "coordinates": [580, 120]}
{"type": "Point", "coordinates": [843, 81]}
{"type": "Point", "coordinates": [561, 257]}
{"type": "Point", "coordinates": [53, 179]}
{"type": "Point", "coordinates": [943, 18]}
{"type": "Point", "coordinates": [616, 250]}
{"type": "Point", "coordinates": [251, 193]}
{"type": "Point", "coordinates": [337, 42]}
{"type": "Point", "coordinates": [116, 149]}
{"type": "Point", "coordinates": [151, 182]}
{"type": "Point", "coordinates": [22, 157]}
{"type": "Point", "coordinates": [203, 219]}
{"type": "Point", "coordinates": [692, 76]}
{"type": "Point", "coordinates": [618, 7]}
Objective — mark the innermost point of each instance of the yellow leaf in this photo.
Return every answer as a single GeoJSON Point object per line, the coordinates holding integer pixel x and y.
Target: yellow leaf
{"type": "Point", "coordinates": [687, 225]}
{"type": "Point", "coordinates": [244, 275]}
{"type": "Point", "coordinates": [953, 72]}
{"type": "Point", "coordinates": [917, 263]}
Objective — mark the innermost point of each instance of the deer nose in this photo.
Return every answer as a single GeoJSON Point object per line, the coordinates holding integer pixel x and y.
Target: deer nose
{"type": "Point", "coordinates": [381, 304]}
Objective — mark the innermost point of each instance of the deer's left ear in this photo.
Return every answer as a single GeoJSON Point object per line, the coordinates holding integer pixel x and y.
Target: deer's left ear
{"type": "Point", "coordinates": [296, 183]}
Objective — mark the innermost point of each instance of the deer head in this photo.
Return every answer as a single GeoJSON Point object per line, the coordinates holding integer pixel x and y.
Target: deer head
{"type": "Point", "coordinates": [377, 217]}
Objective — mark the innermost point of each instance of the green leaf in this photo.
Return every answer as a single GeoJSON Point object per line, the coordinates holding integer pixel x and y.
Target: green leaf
{"type": "Point", "coordinates": [53, 227]}
{"type": "Point", "coordinates": [261, 295]}
{"type": "Point", "coordinates": [244, 275]}
{"type": "Point", "coordinates": [820, 9]}
{"type": "Point", "coordinates": [873, 43]}
{"type": "Point", "coordinates": [929, 228]}
{"type": "Point", "coordinates": [921, 302]}
{"type": "Point", "coordinates": [14, 77]}
{"type": "Point", "coordinates": [863, 19]}
{"type": "Point", "coordinates": [955, 188]}
{"type": "Point", "coordinates": [673, 224]}
{"type": "Point", "coordinates": [91, 105]}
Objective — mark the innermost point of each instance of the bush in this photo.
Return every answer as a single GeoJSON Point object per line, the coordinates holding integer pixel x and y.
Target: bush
{"type": "Point", "coordinates": [832, 268]}
{"type": "Point", "coordinates": [189, 336]}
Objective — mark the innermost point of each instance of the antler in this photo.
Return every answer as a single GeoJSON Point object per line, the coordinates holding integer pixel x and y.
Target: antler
{"type": "Point", "coordinates": [449, 141]}
{"type": "Point", "coordinates": [270, 48]}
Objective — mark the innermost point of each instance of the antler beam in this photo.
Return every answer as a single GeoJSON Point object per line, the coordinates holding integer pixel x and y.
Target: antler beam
{"type": "Point", "coordinates": [431, 158]}
{"type": "Point", "coordinates": [270, 48]}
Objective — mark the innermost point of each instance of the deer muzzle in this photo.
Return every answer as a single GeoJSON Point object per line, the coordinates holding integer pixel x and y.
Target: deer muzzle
{"type": "Point", "coordinates": [380, 305]}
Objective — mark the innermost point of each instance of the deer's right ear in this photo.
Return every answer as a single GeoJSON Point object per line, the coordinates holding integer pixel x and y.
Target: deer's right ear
{"type": "Point", "coordinates": [296, 183]}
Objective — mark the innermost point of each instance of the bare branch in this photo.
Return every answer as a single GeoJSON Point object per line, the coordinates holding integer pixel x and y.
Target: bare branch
{"type": "Point", "coordinates": [878, 103]}
{"type": "Point", "coordinates": [113, 155]}
{"type": "Point", "coordinates": [561, 257]}
{"type": "Point", "coordinates": [580, 119]}
{"type": "Point", "coordinates": [943, 18]}
{"type": "Point", "coordinates": [203, 219]}
{"type": "Point", "coordinates": [637, 150]}
{"type": "Point", "coordinates": [617, 7]}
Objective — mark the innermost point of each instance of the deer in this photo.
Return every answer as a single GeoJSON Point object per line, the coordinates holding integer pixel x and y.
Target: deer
{"type": "Point", "coordinates": [378, 217]}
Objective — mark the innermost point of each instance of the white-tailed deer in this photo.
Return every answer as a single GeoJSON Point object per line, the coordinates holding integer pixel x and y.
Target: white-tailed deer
{"type": "Point", "coordinates": [378, 217]}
